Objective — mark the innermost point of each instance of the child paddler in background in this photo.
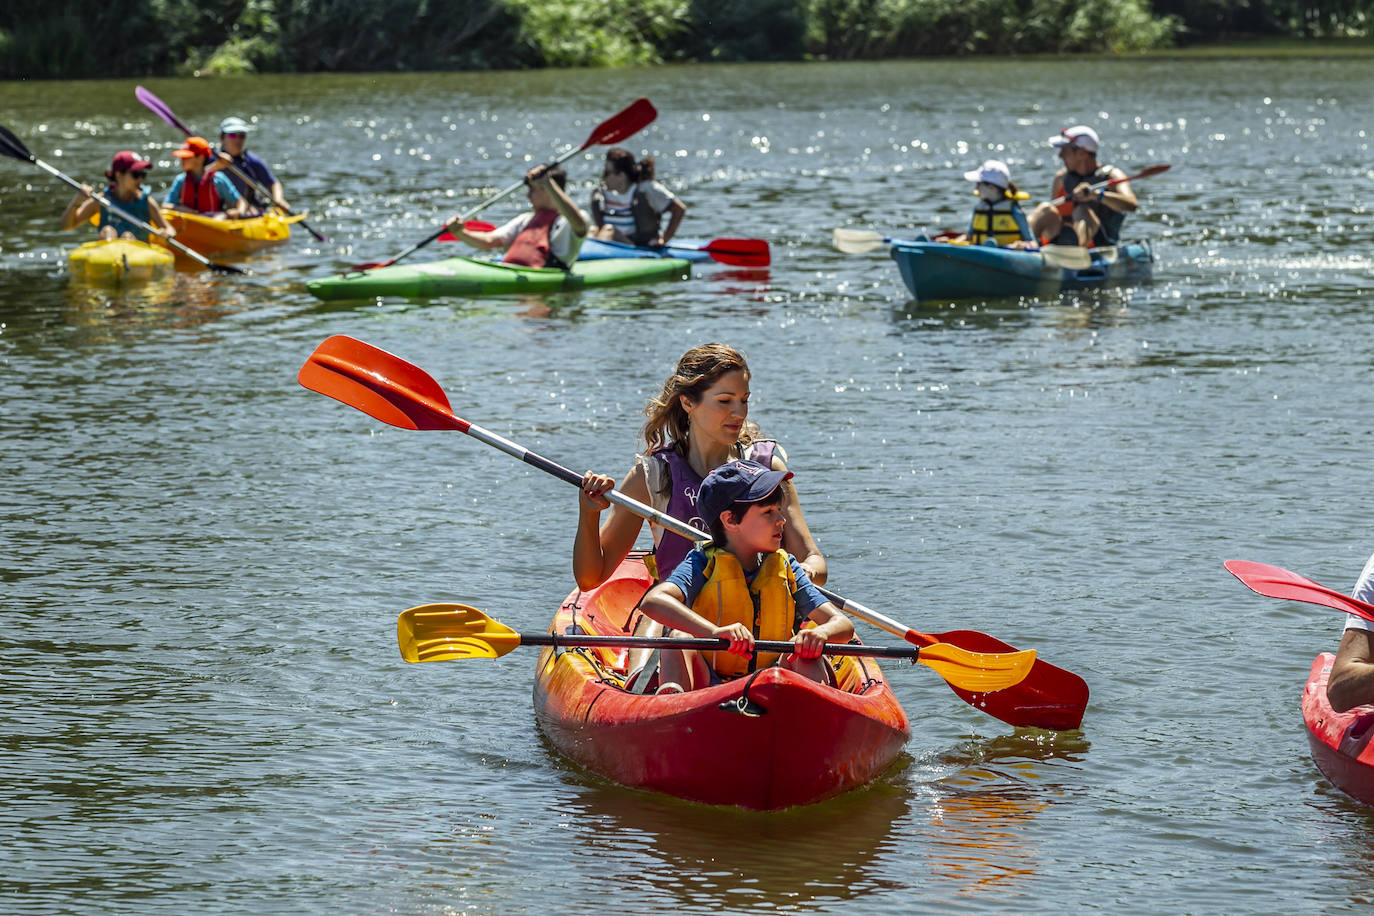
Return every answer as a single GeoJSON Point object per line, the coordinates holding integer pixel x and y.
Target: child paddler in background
{"type": "Point", "coordinates": [743, 586]}
{"type": "Point", "coordinates": [201, 187]}
{"type": "Point", "coordinates": [550, 235]}
{"type": "Point", "coordinates": [997, 218]}
{"type": "Point", "coordinates": [126, 191]}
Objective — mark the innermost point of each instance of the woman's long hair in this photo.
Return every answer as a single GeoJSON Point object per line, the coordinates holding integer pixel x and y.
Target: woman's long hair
{"type": "Point", "coordinates": [696, 371]}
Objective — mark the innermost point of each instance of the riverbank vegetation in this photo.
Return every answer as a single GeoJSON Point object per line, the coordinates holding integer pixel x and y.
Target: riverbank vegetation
{"type": "Point", "coordinates": [123, 38]}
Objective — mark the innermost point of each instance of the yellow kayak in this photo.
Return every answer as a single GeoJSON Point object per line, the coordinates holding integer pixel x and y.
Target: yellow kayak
{"type": "Point", "coordinates": [120, 261]}
{"type": "Point", "coordinates": [239, 236]}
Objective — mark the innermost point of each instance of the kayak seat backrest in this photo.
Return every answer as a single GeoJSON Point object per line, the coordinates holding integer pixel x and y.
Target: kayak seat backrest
{"type": "Point", "coordinates": [611, 605]}
{"type": "Point", "coordinates": [1357, 736]}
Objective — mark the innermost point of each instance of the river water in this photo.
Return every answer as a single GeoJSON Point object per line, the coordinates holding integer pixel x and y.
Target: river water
{"type": "Point", "coordinates": [203, 705]}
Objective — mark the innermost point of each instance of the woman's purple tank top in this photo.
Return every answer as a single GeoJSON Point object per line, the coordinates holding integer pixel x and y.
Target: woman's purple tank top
{"type": "Point", "coordinates": [682, 501]}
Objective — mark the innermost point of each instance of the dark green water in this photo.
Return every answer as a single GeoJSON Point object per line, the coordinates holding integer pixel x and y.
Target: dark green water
{"type": "Point", "coordinates": [201, 563]}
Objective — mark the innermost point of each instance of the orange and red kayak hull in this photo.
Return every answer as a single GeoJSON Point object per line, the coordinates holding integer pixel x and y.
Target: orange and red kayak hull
{"type": "Point", "coordinates": [773, 740]}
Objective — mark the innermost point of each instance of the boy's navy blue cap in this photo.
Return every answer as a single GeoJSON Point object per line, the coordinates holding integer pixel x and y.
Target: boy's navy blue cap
{"type": "Point", "coordinates": [736, 482]}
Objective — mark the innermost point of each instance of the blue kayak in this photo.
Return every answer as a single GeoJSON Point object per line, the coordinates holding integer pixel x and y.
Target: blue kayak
{"type": "Point", "coordinates": [941, 271]}
{"type": "Point", "coordinates": [682, 249]}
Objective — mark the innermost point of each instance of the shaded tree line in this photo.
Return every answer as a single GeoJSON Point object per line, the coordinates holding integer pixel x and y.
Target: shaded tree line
{"type": "Point", "coordinates": [120, 38]}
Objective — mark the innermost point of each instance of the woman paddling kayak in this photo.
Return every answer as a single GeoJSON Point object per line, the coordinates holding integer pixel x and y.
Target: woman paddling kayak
{"type": "Point", "coordinates": [629, 205]}
{"type": "Point", "coordinates": [126, 191]}
{"type": "Point", "coordinates": [697, 423]}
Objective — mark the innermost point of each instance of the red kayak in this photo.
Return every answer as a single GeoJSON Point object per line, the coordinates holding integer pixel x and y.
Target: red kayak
{"type": "Point", "coordinates": [1340, 741]}
{"type": "Point", "coordinates": [768, 740]}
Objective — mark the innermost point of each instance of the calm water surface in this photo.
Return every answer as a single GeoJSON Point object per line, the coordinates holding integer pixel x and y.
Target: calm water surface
{"type": "Point", "coordinates": [204, 708]}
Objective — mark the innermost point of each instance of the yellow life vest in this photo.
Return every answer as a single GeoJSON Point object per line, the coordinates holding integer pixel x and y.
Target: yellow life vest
{"type": "Point", "coordinates": [765, 605]}
{"type": "Point", "coordinates": [1004, 229]}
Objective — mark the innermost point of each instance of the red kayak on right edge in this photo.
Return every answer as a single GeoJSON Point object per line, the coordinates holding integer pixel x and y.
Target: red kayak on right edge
{"type": "Point", "coordinates": [1340, 741]}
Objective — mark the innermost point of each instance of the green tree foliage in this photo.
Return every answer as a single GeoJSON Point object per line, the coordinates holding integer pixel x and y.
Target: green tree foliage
{"type": "Point", "coordinates": [87, 38]}
{"type": "Point", "coordinates": [604, 33]}
{"type": "Point", "coordinates": [731, 30]}
{"type": "Point", "coordinates": [894, 28]}
{"type": "Point", "coordinates": [1209, 20]}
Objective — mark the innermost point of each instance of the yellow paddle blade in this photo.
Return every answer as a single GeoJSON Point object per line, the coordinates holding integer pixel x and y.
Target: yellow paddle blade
{"type": "Point", "coordinates": [979, 672]}
{"type": "Point", "coordinates": [441, 632]}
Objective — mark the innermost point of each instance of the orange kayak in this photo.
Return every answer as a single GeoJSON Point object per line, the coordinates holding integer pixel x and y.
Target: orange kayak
{"type": "Point", "coordinates": [769, 740]}
{"type": "Point", "coordinates": [207, 236]}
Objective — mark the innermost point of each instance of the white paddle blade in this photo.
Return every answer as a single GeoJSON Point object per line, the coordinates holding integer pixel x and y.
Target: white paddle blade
{"type": "Point", "coordinates": [858, 241]}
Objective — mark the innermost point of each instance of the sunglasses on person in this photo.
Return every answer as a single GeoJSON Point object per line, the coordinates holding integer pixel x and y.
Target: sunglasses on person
{"type": "Point", "coordinates": [237, 135]}
{"type": "Point", "coordinates": [138, 174]}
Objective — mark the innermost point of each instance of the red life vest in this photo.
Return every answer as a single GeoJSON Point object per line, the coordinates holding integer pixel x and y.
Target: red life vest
{"type": "Point", "coordinates": [201, 195]}
{"type": "Point", "coordinates": [531, 247]}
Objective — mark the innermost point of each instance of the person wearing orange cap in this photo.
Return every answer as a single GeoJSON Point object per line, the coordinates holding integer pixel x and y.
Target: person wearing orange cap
{"type": "Point", "coordinates": [203, 190]}
{"type": "Point", "coordinates": [126, 191]}
{"type": "Point", "coordinates": [1091, 215]}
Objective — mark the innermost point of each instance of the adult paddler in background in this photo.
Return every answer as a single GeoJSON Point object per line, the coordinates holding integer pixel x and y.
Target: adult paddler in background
{"type": "Point", "coordinates": [1089, 218]}
{"type": "Point", "coordinates": [201, 188]}
{"type": "Point", "coordinates": [549, 235]}
{"type": "Point", "coordinates": [126, 191]}
{"type": "Point", "coordinates": [233, 140]}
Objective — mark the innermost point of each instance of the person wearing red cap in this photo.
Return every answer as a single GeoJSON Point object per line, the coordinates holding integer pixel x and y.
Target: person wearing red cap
{"type": "Point", "coordinates": [743, 586]}
{"type": "Point", "coordinates": [201, 187]}
{"type": "Point", "coordinates": [1090, 216]}
{"type": "Point", "coordinates": [126, 191]}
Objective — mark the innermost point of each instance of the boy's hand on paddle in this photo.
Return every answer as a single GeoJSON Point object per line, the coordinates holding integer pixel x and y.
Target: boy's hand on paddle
{"type": "Point", "coordinates": [809, 643]}
{"type": "Point", "coordinates": [741, 640]}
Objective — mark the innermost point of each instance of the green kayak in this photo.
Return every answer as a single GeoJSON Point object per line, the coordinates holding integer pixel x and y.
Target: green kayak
{"type": "Point", "coordinates": [471, 277]}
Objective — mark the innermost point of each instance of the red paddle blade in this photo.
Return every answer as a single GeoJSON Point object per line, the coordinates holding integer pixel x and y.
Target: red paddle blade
{"type": "Point", "coordinates": [638, 115]}
{"type": "Point", "coordinates": [472, 225]}
{"type": "Point", "coordinates": [739, 252]}
{"type": "Point", "coordinates": [1049, 697]}
{"type": "Point", "coordinates": [373, 265]}
{"type": "Point", "coordinates": [1277, 582]}
{"type": "Point", "coordinates": [1151, 170]}
{"type": "Point", "coordinates": [379, 384]}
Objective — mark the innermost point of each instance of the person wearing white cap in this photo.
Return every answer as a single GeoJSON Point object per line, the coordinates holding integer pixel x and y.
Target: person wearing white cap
{"type": "Point", "coordinates": [233, 138]}
{"type": "Point", "coordinates": [1090, 216]}
{"type": "Point", "coordinates": [998, 218]}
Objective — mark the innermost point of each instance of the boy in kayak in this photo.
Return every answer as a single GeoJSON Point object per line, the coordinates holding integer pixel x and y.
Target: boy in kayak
{"type": "Point", "coordinates": [126, 191]}
{"type": "Point", "coordinates": [201, 188]}
{"type": "Point", "coordinates": [233, 140]}
{"type": "Point", "coordinates": [743, 586]}
{"type": "Point", "coordinates": [550, 235]}
{"type": "Point", "coordinates": [1091, 216]}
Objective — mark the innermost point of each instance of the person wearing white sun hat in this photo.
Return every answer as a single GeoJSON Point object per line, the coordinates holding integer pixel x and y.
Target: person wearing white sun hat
{"type": "Point", "coordinates": [233, 140]}
{"type": "Point", "coordinates": [1088, 216]}
{"type": "Point", "coordinates": [997, 218]}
